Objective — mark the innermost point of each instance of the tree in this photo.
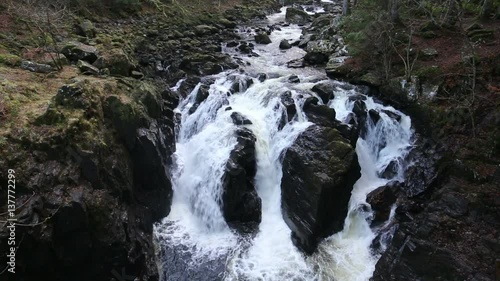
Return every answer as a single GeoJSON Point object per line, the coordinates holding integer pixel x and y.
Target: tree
{"type": "Point", "coordinates": [394, 10]}
{"type": "Point", "coordinates": [345, 7]}
{"type": "Point", "coordinates": [486, 9]}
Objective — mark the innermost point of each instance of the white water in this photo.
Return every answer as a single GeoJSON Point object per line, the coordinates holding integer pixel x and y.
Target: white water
{"type": "Point", "coordinates": [205, 139]}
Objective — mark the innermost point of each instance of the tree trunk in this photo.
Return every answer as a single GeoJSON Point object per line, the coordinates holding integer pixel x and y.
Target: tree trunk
{"type": "Point", "coordinates": [453, 13]}
{"type": "Point", "coordinates": [486, 9]}
{"type": "Point", "coordinates": [345, 7]}
{"type": "Point", "coordinates": [394, 10]}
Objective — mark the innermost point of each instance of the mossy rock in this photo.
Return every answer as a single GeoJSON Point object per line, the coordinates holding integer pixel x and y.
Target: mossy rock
{"type": "Point", "coordinates": [10, 60]}
{"type": "Point", "coordinates": [126, 117]}
{"type": "Point", "coordinates": [117, 61]}
{"type": "Point", "coordinates": [51, 116]}
{"type": "Point", "coordinates": [149, 96]}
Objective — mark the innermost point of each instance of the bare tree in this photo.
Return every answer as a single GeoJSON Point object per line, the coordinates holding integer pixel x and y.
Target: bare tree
{"type": "Point", "coordinates": [45, 19]}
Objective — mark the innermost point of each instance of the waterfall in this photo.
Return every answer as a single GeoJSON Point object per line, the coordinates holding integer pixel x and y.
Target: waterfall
{"type": "Point", "coordinates": [195, 243]}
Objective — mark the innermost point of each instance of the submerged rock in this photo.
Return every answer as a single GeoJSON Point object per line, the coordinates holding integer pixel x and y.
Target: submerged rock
{"type": "Point", "coordinates": [319, 171]}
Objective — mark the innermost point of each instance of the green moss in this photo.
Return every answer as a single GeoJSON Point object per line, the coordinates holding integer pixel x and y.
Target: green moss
{"type": "Point", "coordinates": [10, 60]}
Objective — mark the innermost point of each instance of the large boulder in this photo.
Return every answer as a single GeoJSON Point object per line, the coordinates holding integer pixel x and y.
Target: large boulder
{"type": "Point", "coordinates": [262, 38]}
{"type": "Point", "coordinates": [241, 204]}
{"type": "Point", "coordinates": [318, 52]}
{"type": "Point", "coordinates": [382, 199]}
{"type": "Point", "coordinates": [75, 51]}
{"type": "Point", "coordinates": [324, 91]}
{"type": "Point", "coordinates": [117, 61]}
{"type": "Point", "coordinates": [284, 44]}
{"type": "Point", "coordinates": [86, 28]}
{"type": "Point", "coordinates": [319, 171]}
{"type": "Point", "coordinates": [297, 16]}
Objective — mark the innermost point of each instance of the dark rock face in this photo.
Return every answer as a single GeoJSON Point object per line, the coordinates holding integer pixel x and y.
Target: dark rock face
{"type": "Point", "coordinates": [319, 171]}
{"type": "Point", "coordinates": [382, 199]}
{"type": "Point", "coordinates": [241, 204]}
{"type": "Point", "coordinates": [324, 91]}
{"type": "Point", "coordinates": [240, 84]}
{"type": "Point", "coordinates": [239, 119]}
{"type": "Point", "coordinates": [97, 203]}
{"type": "Point", "coordinates": [294, 79]}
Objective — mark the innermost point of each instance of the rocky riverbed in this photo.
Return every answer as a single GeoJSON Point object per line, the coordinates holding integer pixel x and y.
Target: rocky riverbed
{"type": "Point", "coordinates": [223, 131]}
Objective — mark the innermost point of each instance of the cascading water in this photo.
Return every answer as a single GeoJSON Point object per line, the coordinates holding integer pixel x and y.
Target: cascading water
{"type": "Point", "coordinates": [196, 240]}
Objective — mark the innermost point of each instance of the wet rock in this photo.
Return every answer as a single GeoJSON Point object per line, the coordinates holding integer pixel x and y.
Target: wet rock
{"type": "Point", "coordinates": [319, 114]}
{"type": "Point", "coordinates": [201, 96]}
{"type": "Point", "coordinates": [318, 52]}
{"type": "Point", "coordinates": [359, 108]}
{"type": "Point", "coordinates": [393, 115]}
{"type": "Point", "coordinates": [324, 91]}
{"type": "Point", "coordinates": [262, 38]}
{"type": "Point", "coordinates": [232, 44]}
{"type": "Point", "coordinates": [36, 67]}
{"type": "Point", "coordinates": [244, 48]}
{"type": "Point", "coordinates": [294, 79]}
{"type": "Point", "coordinates": [87, 68]}
{"type": "Point", "coordinates": [337, 68]}
{"type": "Point", "coordinates": [284, 44]}
{"type": "Point", "coordinates": [262, 77]}
{"type": "Point", "coordinates": [289, 103]}
{"type": "Point", "coordinates": [239, 119]}
{"type": "Point", "coordinates": [305, 40]}
{"type": "Point", "coordinates": [374, 116]}
{"type": "Point", "coordinates": [319, 171]}
{"type": "Point", "coordinates": [297, 16]}
{"type": "Point", "coordinates": [211, 68]}
{"type": "Point", "coordinates": [298, 63]}
{"type": "Point", "coordinates": [241, 84]}
{"type": "Point", "coordinates": [241, 204]}
{"type": "Point", "coordinates": [75, 51]}
{"type": "Point", "coordinates": [381, 200]}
